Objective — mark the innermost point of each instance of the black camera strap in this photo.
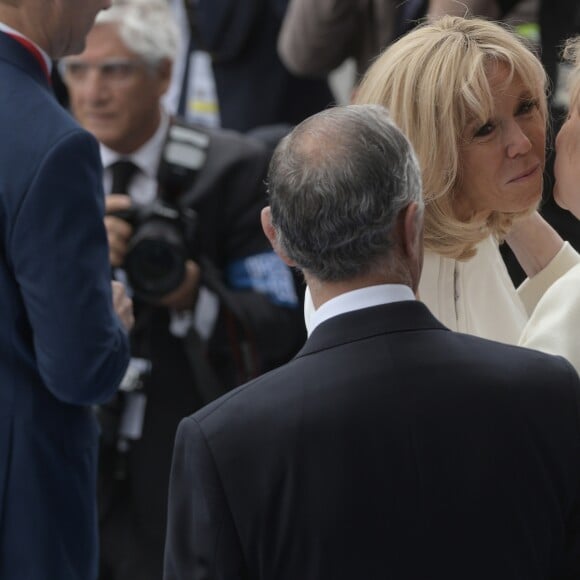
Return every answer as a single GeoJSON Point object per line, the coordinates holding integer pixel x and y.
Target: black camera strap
{"type": "Point", "coordinates": [248, 363]}
{"type": "Point", "coordinates": [242, 344]}
{"type": "Point", "coordinates": [183, 156]}
{"type": "Point", "coordinates": [208, 384]}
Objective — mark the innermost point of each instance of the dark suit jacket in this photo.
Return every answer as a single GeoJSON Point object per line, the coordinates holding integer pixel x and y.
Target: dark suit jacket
{"type": "Point", "coordinates": [390, 447]}
{"type": "Point", "coordinates": [62, 347]}
{"type": "Point", "coordinates": [253, 86]}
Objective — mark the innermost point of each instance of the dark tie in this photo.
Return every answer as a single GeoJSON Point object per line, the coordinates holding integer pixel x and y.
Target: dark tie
{"type": "Point", "coordinates": [122, 172]}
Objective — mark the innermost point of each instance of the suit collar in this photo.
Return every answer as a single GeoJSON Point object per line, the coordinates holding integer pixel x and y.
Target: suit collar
{"type": "Point", "coordinates": [14, 53]}
{"type": "Point", "coordinates": [390, 318]}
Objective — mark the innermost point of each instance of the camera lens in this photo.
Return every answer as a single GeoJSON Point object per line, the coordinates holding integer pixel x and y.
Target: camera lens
{"type": "Point", "coordinates": [155, 261]}
{"type": "Point", "coordinates": [156, 267]}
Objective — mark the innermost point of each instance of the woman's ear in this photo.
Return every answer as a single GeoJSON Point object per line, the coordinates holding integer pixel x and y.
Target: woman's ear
{"type": "Point", "coordinates": [271, 234]}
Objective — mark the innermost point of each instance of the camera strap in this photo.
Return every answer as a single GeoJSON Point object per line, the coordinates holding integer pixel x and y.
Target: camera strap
{"type": "Point", "coordinates": [208, 384]}
{"type": "Point", "coordinates": [243, 348]}
{"type": "Point", "coordinates": [183, 156]}
{"type": "Point", "coordinates": [247, 358]}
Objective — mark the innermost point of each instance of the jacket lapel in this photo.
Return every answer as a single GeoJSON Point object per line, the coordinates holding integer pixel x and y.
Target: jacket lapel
{"type": "Point", "coordinates": [13, 52]}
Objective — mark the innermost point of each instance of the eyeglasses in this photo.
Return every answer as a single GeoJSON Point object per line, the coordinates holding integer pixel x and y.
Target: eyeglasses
{"type": "Point", "coordinates": [114, 71]}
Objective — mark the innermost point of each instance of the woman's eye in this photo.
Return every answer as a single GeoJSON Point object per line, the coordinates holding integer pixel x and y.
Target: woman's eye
{"type": "Point", "coordinates": [528, 106]}
{"type": "Point", "coordinates": [484, 130]}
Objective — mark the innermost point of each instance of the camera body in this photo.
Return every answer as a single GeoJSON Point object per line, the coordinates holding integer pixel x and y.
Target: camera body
{"type": "Point", "coordinates": [159, 247]}
{"type": "Point", "coordinates": [164, 232]}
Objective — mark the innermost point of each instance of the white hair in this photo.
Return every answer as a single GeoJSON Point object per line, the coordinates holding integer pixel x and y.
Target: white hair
{"type": "Point", "coordinates": [147, 27]}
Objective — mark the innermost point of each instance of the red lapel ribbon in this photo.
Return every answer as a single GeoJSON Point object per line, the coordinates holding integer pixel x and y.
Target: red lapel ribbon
{"type": "Point", "coordinates": [34, 51]}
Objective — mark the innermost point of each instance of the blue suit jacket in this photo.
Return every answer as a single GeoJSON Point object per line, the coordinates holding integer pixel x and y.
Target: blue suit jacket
{"type": "Point", "coordinates": [62, 347]}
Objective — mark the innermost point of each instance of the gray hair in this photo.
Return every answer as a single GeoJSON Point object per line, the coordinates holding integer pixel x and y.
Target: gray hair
{"type": "Point", "coordinates": [336, 185]}
{"type": "Point", "coordinates": [146, 27]}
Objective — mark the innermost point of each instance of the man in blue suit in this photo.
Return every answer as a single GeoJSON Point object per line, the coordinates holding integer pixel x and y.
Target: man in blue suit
{"type": "Point", "coordinates": [63, 336]}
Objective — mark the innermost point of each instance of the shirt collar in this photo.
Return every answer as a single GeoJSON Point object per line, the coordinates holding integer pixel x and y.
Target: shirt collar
{"type": "Point", "coordinates": [359, 299]}
{"type": "Point", "coordinates": [10, 30]}
{"type": "Point", "coordinates": [147, 157]}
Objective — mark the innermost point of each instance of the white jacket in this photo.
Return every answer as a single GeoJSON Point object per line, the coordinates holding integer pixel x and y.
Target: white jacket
{"type": "Point", "coordinates": [554, 326]}
{"type": "Point", "coordinates": [478, 297]}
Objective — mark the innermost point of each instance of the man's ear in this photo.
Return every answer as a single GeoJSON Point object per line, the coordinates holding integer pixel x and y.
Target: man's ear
{"type": "Point", "coordinates": [413, 238]}
{"type": "Point", "coordinates": [270, 231]}
{"type": "Point", "coordinates": [164, 71]}
{"type": "Point", "coordinates": [413, 229]}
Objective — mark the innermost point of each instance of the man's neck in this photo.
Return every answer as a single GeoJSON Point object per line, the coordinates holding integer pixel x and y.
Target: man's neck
{"type": "Point", "coordinates": [357, 298]}
{"type": "Point", "coordinates": [324, 291]}
{"type": "Point", "coordinates": [18, 18]}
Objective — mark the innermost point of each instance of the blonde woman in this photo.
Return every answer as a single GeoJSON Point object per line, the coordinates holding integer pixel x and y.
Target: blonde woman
{"type": "Point", "coordinates": [554, 326]}
{"type": "Point", "coordinates": [471, 98]}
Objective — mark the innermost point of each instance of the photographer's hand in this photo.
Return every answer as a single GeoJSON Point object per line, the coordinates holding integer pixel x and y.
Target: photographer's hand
{"type": "Point", "coordinates": [118, 230]}
{"type": "Point", "coordinates": [123, 305]}
{"type": "Point", "coordinates": [185, 295]}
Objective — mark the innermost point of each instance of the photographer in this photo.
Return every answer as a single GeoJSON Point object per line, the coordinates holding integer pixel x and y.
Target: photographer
{"type": "Point", "coordinates": [225, 310]}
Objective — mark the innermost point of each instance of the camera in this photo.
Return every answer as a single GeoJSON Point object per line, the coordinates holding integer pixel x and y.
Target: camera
{"type": "Point", "coordinates": [164, 232]}
{"type": "Point", "coordinates": [158, 248]}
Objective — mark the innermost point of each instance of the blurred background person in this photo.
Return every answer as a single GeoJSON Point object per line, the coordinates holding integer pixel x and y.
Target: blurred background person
{"type": "Point", "coordinates": [554, 325]}
{"type": "Point", "coordinates": [63, 337]}
{"type": "Point", "coordinates": [557, 21]}
{"type": "Point", "coordinates": [214, 305]}
{"type": "Point", "coordinates": [389, 447]}
{"type": "Point", "coordinates": [228, 72]}
{"type": "Point", "coordinates": [476, 114]}
{"type": "Point", "coordinates": [317, 36]}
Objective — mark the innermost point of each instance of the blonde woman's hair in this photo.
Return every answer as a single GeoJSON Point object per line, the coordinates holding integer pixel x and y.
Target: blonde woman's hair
{"type": "Point", "coordinates": [434, 81]}
{"type": "Point", "coordinates": [572, 55]}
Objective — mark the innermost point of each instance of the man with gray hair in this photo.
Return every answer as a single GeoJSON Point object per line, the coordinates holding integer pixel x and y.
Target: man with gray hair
{"type": "Point", "coordinates": [389, 447]}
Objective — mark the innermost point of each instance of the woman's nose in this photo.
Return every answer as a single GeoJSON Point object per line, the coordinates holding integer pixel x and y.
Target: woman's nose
{"type": "Point", "coordinates": [517, 140]}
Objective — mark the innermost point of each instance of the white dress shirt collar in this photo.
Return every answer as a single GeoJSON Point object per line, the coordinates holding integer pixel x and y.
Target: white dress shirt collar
{"type": "Point", "coordinates": [358, 299]}
{"type": "Point", "coordinates": [147, 157]}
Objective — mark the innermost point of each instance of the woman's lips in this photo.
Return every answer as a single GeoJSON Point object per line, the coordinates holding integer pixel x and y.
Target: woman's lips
{"type": "Point", "coordinates": [524, 175]}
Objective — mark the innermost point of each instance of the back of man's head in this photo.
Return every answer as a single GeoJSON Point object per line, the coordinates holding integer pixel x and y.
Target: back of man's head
{"type": "Point", "coordinates": [337, 186]}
